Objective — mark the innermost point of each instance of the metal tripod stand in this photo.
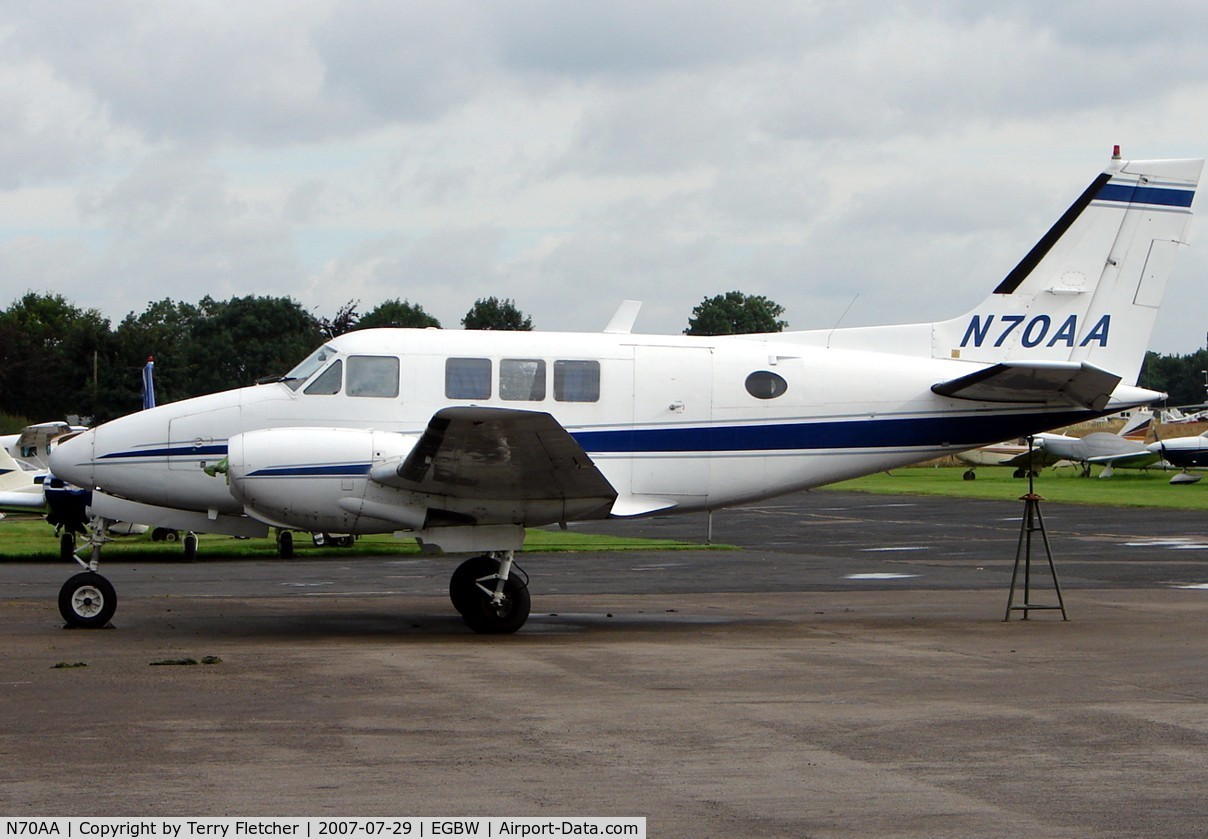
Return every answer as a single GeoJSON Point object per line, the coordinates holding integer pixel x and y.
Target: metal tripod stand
{"type": "Point", "coordinates": [1033, 522]}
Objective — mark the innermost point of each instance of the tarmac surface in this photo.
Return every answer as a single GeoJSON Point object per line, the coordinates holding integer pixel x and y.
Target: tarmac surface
{"type": "Point", "coordinates": [846, 672]}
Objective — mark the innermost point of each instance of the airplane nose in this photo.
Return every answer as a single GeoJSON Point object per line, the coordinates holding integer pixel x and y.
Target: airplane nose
{"type": "Point", "coordinates": [72, 459]}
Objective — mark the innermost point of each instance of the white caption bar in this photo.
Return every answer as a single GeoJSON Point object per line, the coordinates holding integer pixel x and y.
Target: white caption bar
{"type": "Point", "coordinates": [320, 828]}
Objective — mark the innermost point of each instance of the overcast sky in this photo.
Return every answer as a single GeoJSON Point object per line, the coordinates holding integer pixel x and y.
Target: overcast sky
{"type": "Point", "coordinates": [570, 155]}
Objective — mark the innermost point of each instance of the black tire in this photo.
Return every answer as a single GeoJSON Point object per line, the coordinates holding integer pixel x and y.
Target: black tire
{"type": "Point", "coordinates": [970, 475]}
{"type": "Point", "coordinates": [285, 544]}
{"type": "Point", "coordinates": [67, 543]}
{"type": "Point", "coordinates": [190, 544]}
{"type": "Point", "coordinates": [87, 601]}
{"type": "Point", "coordinates": [475, 605]}
{"type": "Point", "coordinates": [487, 619]}
{"type": "Point", "coordinates": [463, 589]}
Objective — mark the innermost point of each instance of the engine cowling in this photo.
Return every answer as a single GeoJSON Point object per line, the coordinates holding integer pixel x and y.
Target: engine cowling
{"type": "Point", "coordinates": [317, 479]}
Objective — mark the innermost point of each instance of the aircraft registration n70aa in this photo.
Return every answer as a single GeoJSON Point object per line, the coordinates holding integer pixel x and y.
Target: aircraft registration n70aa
{"type": "Point", "coordinates": [462, 439]}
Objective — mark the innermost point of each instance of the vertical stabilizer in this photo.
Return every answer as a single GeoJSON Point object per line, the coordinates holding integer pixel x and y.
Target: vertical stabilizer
{"type": "Point", "coordinates": [1090, 289]}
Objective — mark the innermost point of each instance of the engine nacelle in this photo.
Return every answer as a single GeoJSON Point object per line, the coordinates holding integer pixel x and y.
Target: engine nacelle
{"type": "Point", "coordinates": [317, 479]}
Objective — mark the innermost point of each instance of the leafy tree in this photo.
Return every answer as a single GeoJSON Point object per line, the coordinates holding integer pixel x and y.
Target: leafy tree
{"type": "Point", "coordinates": [238, 341]}
{"type": "Point", "coordinates": [398, 313]}
{"type": "Point", "coordinates": [164, 331]}
{"type": "Point", "coordinates": [345, 320]}
{"type": "Point", "coordinates": [53, 357]}
{"type": "Point", "coordinates": [735, 313]}
{"type": "Point", "coordinates": [493, 313]}
{"type": "Point", "coordinates": [1180, 376]}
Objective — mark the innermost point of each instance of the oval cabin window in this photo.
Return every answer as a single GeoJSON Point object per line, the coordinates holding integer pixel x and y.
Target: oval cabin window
{"type": "Point", "coordinates": [764, 384]}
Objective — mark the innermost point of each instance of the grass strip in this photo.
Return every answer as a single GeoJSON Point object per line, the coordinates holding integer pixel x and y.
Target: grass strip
{"type": "Point", "coordinates": [1127, 488]}
{"type": "Point", "coordinates": [32, 540]}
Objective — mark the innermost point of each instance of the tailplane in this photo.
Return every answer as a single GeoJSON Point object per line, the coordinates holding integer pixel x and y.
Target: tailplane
{"type": "Point", "coordinates": [1089, 291]}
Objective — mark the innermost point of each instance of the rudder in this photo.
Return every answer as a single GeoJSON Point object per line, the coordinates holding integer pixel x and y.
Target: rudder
{"type": "Point", "coordinates": [1090, 289]}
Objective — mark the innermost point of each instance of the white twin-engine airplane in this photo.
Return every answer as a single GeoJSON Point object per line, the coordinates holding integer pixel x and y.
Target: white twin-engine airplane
{"type": "Point", "coordinates": [461, 439]}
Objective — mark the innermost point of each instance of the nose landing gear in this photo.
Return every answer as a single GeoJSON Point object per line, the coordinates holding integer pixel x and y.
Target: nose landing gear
{"type": "Point", "coordinates": [87, 600]}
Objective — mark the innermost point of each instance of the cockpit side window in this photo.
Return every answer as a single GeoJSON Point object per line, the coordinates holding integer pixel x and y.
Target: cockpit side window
{"type": "Point", "coordinates": [328, 382]}
{"type": "Point", "coordinates": [372, 375]}
{"type": "Point", "coordinates": [308, 367]}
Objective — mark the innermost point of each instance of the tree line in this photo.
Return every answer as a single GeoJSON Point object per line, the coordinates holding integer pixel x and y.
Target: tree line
{"type": "Point", "coordinates": [58, 360]}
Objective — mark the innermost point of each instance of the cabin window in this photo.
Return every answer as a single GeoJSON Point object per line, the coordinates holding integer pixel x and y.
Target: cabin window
{"type": "Point", "coordinates": [327, 382]}
{"type": "Point", "coordinates": [468, 378]}
{"type": "Point", "coordinates": [577, 381]}
{"type": "Point", "coordinates": [763, 384]}
{"type": "Point", "coordinates": [372, 375]}
{"type": "Point", "coordinates": [522, 379]}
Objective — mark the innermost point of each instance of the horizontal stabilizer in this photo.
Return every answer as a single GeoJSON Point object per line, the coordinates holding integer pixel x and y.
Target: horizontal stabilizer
{"type": "Point", "coordinates": [1043, 382]}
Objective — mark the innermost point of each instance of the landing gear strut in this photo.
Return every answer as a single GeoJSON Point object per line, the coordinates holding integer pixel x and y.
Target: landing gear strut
{"type": "Point", "coordinates": [87, 600]}
{"type": "Point", "coordinates": [491, 594]}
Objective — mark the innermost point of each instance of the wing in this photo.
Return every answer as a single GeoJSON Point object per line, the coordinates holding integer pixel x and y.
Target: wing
{"type": "Point", "coordinates": [1044, 382]}
{"type": "Point", "coordinates": [1135, 460]}
{"type": "Point", "coordinates": [491, 465]}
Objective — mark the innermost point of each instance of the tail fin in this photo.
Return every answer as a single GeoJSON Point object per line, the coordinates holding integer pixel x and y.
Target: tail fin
{"type": "Point", "coordinates": [1089, 290]}
{"type": "Point", "coordinates": [1138, 426]}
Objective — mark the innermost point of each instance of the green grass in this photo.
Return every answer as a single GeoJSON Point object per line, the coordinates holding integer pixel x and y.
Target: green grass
{"type": "Point", "coordinates": [1127, 488]}
{"type": "Point", "coordinates": [30, 539]}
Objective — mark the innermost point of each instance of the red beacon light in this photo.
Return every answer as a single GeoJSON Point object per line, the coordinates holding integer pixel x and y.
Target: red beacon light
{"type": "Point", "coordinates": [1115, 152]}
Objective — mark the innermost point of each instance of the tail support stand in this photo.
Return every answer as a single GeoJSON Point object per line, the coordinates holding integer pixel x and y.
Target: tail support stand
{"type": "Point", "coordinates": [1033, 522]}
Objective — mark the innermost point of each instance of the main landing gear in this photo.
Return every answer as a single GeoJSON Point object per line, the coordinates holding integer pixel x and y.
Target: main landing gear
{"type": "Point", "coordinates": [491, 593]}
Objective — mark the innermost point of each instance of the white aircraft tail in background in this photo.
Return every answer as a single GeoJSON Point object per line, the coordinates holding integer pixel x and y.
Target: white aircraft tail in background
{"type": "Point", "coordinates": [462, 439]}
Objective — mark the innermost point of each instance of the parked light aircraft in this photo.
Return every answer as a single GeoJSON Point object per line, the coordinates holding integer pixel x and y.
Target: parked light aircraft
{"type": "Point", "coordinates": [1186, 453]}
{"type": "Point", "coordinates": [20, 489]}
{"type": "Point", "coordinates": [461, 439]}
{"type": "Point", "coordinates": [33, 443]}
{"type": "Point", "coordinates": [1014, 453]}
{"type": "Point", "coordinates": [1125, 449]}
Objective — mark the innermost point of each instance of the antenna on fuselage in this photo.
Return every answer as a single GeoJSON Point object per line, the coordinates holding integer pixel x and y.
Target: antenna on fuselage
{"type": "Point", "coordinates": [841, 317]}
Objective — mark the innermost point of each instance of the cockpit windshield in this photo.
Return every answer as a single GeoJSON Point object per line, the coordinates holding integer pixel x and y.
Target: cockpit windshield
{"type": "Point", "coordinates": [294, 378]}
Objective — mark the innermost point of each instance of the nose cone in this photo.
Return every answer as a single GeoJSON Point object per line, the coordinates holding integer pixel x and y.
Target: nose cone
{"type": "Point", "coordinates": [72, 460]}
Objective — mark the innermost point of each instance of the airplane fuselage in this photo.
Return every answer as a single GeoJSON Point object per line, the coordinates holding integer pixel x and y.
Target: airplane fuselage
{"type": "Point", "coordinates": [671, 421]}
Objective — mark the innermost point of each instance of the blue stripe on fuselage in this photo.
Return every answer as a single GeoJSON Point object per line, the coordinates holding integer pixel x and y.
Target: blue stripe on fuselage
{"type": "Point", "coordinates": [337, 470]}
{"type": "Point", "coordinates": [219, 449]}
{"type": "Point", "coordinates": [914, 432]}
{"type": "Point", "coordinates": [956, 432]}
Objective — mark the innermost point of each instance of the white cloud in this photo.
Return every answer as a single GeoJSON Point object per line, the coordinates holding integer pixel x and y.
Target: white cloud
{"type": "Point", "coordinates": [570, 155]}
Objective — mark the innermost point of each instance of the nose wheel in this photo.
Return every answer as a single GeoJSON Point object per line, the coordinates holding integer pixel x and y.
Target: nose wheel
{"type": "Point", "coordinates": [87, 601]}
